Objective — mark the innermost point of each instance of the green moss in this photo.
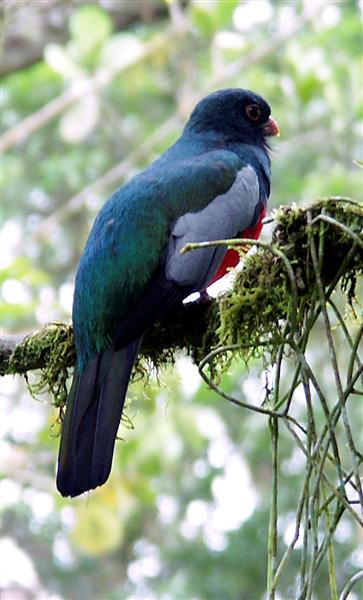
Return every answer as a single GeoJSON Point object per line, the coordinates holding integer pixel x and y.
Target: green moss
{"type": "Point", "coordinates": [263, 304]}
{"type": "Point", "coordinates": [270, 296]}
{"type": "Point", "coordinates": [53, 349]}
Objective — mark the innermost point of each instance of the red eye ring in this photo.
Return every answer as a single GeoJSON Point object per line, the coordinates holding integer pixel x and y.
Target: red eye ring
{"type": "Point", "coordinates": [253, 112]}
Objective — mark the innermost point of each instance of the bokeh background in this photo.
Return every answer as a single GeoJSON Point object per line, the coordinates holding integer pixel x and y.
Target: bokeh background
{"type": "Point", "coordinates": [92, 93]}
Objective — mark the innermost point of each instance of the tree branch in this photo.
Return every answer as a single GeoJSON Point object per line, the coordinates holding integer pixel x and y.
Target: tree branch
{"type": "Point", "coordinates": [80, 88]}
{"type": "Point", "coordinates": [50, 20]}
{"type": "Point", "coordinates": [182, 328]}
{"type": "Point", "coordinates": [270, 296]}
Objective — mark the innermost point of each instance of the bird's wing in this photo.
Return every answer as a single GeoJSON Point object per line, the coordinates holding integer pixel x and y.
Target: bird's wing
{"type": "Point", "coordinates": [224, 217]}
{"type": "Point", "coordinates": [180, 275]}
{"type": "Point", "coordinates": [129, 237]}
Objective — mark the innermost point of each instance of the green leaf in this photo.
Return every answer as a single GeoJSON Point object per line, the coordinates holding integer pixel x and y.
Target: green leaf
{"type": "Point", "coordinates": [23, 269]}
{"type": "Point", "coordinates": [58, 59]}
{"type": "Point", "coordinates": [223, 12]}
{"type": "Point", "coordinates": [119, 50]}
{"type": "Point", "coordinates": [98, 529]}
{"type": "Point", "coordinates": [201, 18]}
{"type": "Point", "coordinates": [90, 27]}
{"type": "Point", "coordinates": [211, 15]}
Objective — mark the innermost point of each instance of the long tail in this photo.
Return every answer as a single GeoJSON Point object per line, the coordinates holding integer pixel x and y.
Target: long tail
{"type": "Point", "coordinates": [93, 413]}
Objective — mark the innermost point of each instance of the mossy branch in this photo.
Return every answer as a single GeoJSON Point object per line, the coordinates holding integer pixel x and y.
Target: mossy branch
{"type": "Point", "coordinates": [264, 300]}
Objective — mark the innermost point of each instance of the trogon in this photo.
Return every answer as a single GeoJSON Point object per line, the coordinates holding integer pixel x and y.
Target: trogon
{"type": "Point", "coordinates": [213, 183]}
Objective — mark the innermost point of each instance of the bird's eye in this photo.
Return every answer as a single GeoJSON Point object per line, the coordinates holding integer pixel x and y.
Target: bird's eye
{"type": "Point", "coordinates": [253, 112]}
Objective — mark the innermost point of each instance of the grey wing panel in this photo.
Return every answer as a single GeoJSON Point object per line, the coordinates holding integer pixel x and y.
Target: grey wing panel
{"type": "Point", "coordinates": [224, 217]}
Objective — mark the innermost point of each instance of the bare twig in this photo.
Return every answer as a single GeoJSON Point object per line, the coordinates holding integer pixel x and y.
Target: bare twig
{"type": "Point", "coordinates": [80, 88]}
{"type": "Point", "coordinates": [350, 584]}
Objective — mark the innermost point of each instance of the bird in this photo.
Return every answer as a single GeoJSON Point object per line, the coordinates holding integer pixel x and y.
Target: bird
{"type": "Point", "coordinates": [212, 183]}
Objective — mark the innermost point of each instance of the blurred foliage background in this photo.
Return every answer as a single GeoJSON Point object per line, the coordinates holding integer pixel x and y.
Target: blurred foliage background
{"type": "Point", "coordinates": [92, 92]}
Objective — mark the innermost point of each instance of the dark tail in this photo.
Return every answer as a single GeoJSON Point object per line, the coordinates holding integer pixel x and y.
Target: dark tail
{"type": "Point", "coordinates": [93, 414]}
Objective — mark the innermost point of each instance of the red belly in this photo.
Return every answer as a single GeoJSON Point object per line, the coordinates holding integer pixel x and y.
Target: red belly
{"type": "Point", "coordinates": [231, 258]}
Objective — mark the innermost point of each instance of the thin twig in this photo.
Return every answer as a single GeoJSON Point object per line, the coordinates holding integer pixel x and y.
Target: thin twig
{"type": "Point", "coordinates": [79, 89]}
{"type": "Point", "coordinates": [350, 584]}
{"type": "Point", "coordinates": [341, 226]}
{"type": "Point", "coordinates": [272, 533]}
{"type": "Point", "coordinates": [334, 362]}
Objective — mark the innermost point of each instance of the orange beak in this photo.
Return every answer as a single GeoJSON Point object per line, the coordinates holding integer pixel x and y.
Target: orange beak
{"type": "Point", "coordinates": [271, 128]}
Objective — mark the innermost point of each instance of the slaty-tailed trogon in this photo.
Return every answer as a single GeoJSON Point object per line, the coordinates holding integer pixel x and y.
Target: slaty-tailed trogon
{"type": "Point", "coordinates": [213, 183]}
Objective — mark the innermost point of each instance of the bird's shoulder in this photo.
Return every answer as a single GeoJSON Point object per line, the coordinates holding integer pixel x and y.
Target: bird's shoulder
{"type": "Point", "coordinates": [183, 179]}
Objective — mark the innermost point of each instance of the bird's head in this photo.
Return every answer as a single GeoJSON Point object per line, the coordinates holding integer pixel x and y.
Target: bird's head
{"type": "Point", "coordinates": [234, 115]}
